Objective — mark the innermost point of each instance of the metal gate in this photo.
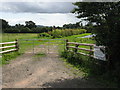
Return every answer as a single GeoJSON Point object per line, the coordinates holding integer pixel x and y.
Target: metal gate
{"type": "Point", "coordinates": [34, 46]}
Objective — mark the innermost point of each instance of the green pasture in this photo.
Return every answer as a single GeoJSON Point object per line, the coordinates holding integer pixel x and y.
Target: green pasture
{"type": "Point", "coordinates": [76, 38]}
{"type": "Point", "coordinates": [26, 44]}
{"type": "Point", "coordinates": [6, 37]}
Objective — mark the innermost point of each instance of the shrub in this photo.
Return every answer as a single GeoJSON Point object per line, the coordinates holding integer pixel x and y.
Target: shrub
{"type": "Point", "coordinates": [58, 33]}
{"type": "Point", "coordinates": [90, 65]}
{"type": "Point", "coordinates": [43, 35]}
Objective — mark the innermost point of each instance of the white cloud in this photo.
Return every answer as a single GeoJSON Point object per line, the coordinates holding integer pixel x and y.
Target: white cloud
{"type": "Point", "coordinates": [42, 13]}
{"type": "Point", "coordinates": [56, 19]}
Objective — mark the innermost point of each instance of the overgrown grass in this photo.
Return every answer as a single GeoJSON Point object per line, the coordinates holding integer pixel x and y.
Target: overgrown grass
{"type": "Point", "coordinates": [91, 67]}
{"type": "Point", "coordinates": [39, 55]}
{"type": "Point", "coordinates": [7, 57]}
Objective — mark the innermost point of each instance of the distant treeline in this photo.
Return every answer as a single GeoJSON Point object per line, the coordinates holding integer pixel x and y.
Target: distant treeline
{"type": "Point", "coordinates": [31, 27]}
{"type": "Point", "coordinates": [27, 30]}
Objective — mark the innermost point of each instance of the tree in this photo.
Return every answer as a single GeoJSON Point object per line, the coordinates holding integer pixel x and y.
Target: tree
{"type": "Point", "coordinates": [30, 24]}
{"type": "Point", "coordinates": [72, 26]}
{"type": "Point", "coordinates": [19, 25]}
{"type": "Point", "coordinates": [89, 27]}
{"type": "Point", "coordinates": [4, 24]}
{"type": "Point", "coordinates": [106, 16]}
{"type": "Point", "coordinates": [25, 30]}
{"type": "Point", "coordinates": [30, 27]}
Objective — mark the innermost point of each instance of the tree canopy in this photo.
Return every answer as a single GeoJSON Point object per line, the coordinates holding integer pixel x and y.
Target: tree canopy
{"type": "Point", "coordinates": [30, 24]}
{"type": "Point", "coordinates": [4, 23]}
{"type": "Point", "coordinates": [106, 19]}
{"type": "Point", "coordinates": [29, 27]}
{"type": "Point", "coordinates": [72, 26]}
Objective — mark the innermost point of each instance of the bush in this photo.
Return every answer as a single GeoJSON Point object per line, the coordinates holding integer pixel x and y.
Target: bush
{"type": "Point", "coordinates": [43, 35]}
{"type": "Point", "coordinates": [72, 58]}
{"type": "Point", "coordinates": [17, 30]}
{"type": "Point", "coordinates": [58, 33]}
{"type": "Point", "coordinates": [90, 65]}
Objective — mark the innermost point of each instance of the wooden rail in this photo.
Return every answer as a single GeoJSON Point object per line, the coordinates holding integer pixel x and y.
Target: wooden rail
{"type": "Point", "coordinates": [15, 46]}
{"type": "Point", "coordinates": [76, 48]}
{"type": "Point", "coordinates": [8, 43]}
{"type": "Point", "coordinates": [85, 44]}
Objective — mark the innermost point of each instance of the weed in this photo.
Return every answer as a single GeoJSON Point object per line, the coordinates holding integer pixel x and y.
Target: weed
{"type": "Point", "coordinates": [39, 55]}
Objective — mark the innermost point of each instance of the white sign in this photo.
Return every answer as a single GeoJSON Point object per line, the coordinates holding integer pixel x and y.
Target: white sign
{"type": "Point", "coordinates": [99, 53]}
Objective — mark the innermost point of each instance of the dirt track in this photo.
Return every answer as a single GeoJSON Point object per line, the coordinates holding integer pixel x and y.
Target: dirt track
{"type": "Point", "coordinates": [29, 71]}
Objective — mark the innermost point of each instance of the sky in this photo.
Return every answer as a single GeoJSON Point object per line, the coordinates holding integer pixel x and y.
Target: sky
{"type": "Point", "coordinates": [42, 12]}
{"type": "Point", "coordinates": [48, 13]}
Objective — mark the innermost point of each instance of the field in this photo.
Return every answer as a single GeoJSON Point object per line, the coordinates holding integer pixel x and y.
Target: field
{"type": "Point", "coordinates": [77, 61]}
{"type": "Point", "coordinates": [26, 45]}
{"type": "Point", "coordinates": [23, 46]}
{"type": "Point", "coordinates": [6, 37]}
{"type": "Point", "coordinates": [77, 38]}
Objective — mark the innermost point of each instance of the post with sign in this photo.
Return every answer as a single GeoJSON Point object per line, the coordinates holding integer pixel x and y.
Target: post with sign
{"type": "Point", "coordinates": [91, 48]}
{"type": "Point", "coordinates": [99, 53]}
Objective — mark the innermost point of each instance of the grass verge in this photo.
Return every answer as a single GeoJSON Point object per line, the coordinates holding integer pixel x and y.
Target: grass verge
{"type": "Point", "coordinates": [91, 67]}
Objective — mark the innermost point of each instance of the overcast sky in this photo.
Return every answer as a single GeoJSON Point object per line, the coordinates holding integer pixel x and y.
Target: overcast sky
{"type": "Point", "coordinates": [42, 13]}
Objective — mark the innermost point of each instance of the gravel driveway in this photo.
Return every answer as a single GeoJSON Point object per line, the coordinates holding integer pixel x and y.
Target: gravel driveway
{"type": "Point", "coordinates": [32, 71]}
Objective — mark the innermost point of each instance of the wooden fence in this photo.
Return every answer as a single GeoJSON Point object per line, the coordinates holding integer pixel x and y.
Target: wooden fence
{"type": "Point", "coordinates": [76, 48]}
{"type": "Point", "coordinates": [8, 45]}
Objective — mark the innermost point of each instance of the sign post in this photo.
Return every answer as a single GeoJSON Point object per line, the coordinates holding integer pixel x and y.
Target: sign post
{"type": "Point", "coordinates": [99, 53]}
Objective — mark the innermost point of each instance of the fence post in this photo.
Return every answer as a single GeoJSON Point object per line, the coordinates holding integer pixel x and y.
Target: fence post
{"type": "Point", "coordinates": [17, 45]}
{"type": "Point", "coordinates": [67, 44]}
{"type": "Point", "coordinates": [2, 46]}
{"type": "Point", "coordinates": [91, 48]}
{"type": "Point", "coordinates": [76, 46]}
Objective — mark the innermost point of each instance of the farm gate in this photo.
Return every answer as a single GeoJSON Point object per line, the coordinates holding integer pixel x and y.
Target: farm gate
{"type": "Point", "coordinates": [37, 46]}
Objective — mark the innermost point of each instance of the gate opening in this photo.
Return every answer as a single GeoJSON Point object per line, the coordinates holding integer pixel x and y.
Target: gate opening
{"type": "Point", "coordinates": [36, 46]}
